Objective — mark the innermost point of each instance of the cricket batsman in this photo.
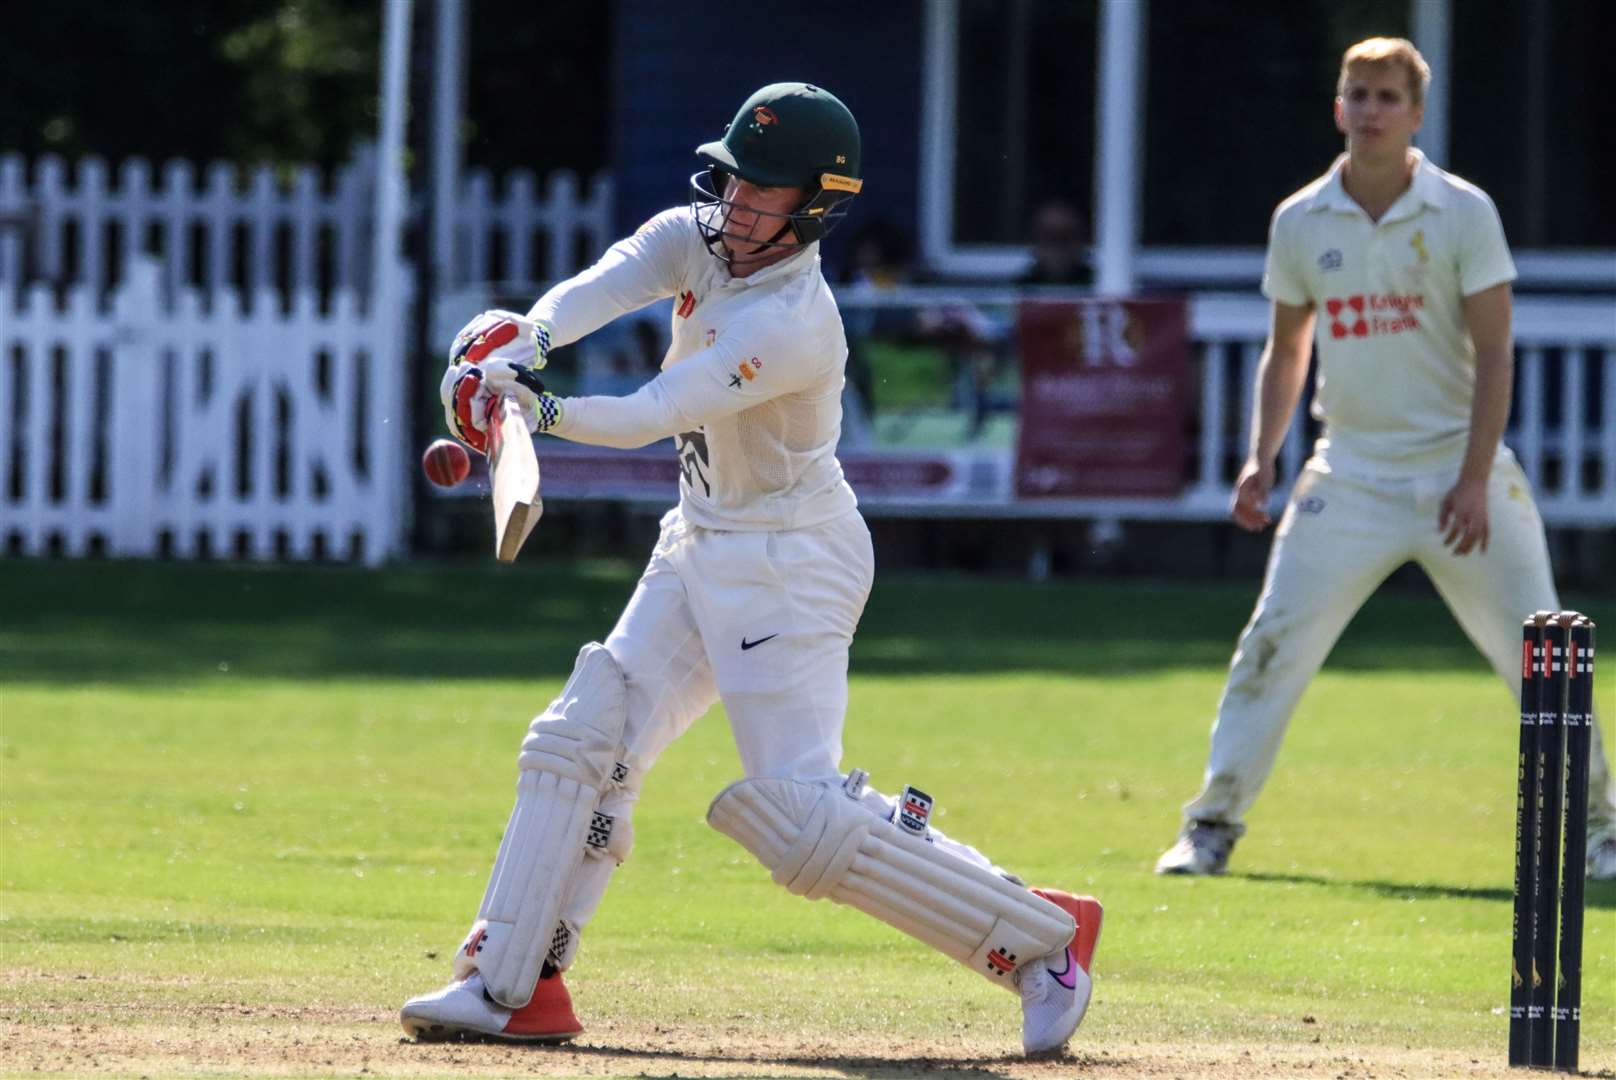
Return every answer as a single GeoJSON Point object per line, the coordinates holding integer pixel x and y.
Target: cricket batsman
{"type": "Point", "coordinates": [1398, 274]}
{"type": "Point", "coordinates": [751, 596]}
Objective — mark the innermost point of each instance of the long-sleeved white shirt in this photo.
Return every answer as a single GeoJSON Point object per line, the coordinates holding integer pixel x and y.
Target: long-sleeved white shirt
{"type": "Point", "coordinates": [750, 387]}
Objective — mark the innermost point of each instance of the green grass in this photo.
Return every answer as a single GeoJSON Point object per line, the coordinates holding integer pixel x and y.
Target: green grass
{"type": "Point", "coordinates": [283, 787]}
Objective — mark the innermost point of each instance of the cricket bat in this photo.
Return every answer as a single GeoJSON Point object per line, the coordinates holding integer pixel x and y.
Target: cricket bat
{"type": "Point", "coordinates": [513, 475]}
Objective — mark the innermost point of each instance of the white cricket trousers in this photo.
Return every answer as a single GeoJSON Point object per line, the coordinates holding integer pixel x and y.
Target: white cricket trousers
{"type": "Point", "coordinates": [1338, 540]}
{"type": "Point", "coordinates": [763, 620]}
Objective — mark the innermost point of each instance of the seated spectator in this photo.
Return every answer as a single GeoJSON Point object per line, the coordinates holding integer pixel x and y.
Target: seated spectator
{"type": "Point", "coordinates": [1060, 246]}
{"type": "Point", "coordinates": [879, 254]}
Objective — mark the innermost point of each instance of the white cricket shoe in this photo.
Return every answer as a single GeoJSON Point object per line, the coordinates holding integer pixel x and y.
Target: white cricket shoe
{"type": "Point", "coordinates": [1055, 989]}
{"type": "Point", "coordinates": [463, 1008]}
{"type": "Point", "coordinates": [1601, 863]}
{"type": "Point", "coordinates": [1203, 847]}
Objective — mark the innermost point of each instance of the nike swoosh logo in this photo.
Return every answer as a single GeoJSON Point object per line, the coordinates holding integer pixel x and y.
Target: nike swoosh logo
{"type": "Point", "coordinates": [1067, 978]}
{"type": "Point", "coordinates": [754, 644]}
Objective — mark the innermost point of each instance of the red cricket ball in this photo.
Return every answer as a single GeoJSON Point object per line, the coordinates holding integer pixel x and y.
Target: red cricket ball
{"type": "Point", "coordinates": [446, 463]}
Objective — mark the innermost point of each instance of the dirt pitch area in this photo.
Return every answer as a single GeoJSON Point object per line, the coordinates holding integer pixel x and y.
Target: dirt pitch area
{"type": "Point", "coordinates": [235, 1040]}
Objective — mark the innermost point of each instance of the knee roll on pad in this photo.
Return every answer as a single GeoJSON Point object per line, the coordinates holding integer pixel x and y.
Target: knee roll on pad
{"type": "Point", "coordinates": [819, 841]}
{"type": "Point", "coordinates": [566, 761]}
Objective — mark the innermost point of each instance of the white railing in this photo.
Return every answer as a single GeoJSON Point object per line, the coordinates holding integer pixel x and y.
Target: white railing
{"type": "Point", "coordinates": [1562, 425]}
{"type": "Point", "coordinates": [184, 422]}
{"type": "Point", "coordinates": [266, 230]}
{"type": "Point", "coordinates": [188, 422]}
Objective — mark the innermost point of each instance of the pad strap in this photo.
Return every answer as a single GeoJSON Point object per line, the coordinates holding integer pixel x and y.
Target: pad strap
{"type": "Point", "coordinates": [819, 842]}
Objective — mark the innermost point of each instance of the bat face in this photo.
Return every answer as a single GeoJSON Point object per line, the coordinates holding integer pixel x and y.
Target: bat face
{"type": "Point", "coordinates": [513, 470]}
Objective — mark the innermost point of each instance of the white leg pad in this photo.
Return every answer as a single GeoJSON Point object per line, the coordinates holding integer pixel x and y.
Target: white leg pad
{"type": "Point", "coordinates": [818, 841]}
{"type": "Point", "coordinates": [606, 845]}
{"type": "Point", "coordinates": [565, 764]}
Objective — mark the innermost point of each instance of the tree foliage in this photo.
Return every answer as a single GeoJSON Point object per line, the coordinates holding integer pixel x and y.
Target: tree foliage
{"type": "Point", "coordinates": [292, 81]}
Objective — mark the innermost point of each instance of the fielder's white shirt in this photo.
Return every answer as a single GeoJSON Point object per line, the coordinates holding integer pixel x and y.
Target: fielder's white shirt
{"type": "Point", "coordinates": [1396, 367]}
{"type": "Point", "coordinates": [751, 386]}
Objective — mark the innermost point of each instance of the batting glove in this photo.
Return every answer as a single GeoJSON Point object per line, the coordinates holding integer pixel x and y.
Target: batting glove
{"type": "Point", "coordinates": [502, 335]}
{"type": "Point", "coordinates": [498, 352]}
{"type": "Point", "coordinates": [472, 397]}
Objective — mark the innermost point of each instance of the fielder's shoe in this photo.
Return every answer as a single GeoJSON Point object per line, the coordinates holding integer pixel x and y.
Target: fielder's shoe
{"type": "Point", "coordinates": [463, 1008]}
{"type": "Point", "coordinates": [1203, 848]}
{"type": "Point", "coordinates": [1055, 990]}
{"type": "Point", "coordinates": [1602, 857]}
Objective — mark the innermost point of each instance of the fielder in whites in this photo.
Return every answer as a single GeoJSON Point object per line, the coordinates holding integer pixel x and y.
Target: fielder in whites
{"type": "Point", "coordinates": [1398, 274]}
{"type": "Point", "coordinates": [751, 596]}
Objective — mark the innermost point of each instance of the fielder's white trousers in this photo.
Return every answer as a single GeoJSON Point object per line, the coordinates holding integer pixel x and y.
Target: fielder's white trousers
{"type": "Point", "coordinates": [1338, 540]}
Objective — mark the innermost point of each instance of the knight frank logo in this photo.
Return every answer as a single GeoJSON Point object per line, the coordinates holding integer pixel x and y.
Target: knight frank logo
{"type": "Point", "coordinates": [474, 944]}
{"type": "Point", "coordinates": [1368, 315]}
{"type": "Point", "coordinates": [1001, 962]}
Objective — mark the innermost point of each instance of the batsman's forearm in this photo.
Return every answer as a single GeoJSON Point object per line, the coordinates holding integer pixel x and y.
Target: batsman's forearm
{"type": "Point", "coordinates": [626, 423]}
{"type": "Point", "coordinates": [1489, 412]}
{"type": "Point", "coordinates": [620, 282]}
{"type": "Point", "coordinates": [1280, 376]}
{"type": "Point", "coordinates": [583, 304]}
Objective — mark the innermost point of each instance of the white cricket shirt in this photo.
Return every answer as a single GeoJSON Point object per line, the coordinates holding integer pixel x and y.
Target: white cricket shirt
{"type": "Point", "coordinates": [751, 386]}
{"type": "Point", "coordinates": [1396, 363]}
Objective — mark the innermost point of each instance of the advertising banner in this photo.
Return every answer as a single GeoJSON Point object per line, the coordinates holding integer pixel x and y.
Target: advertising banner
{"type": "Point", "coordinates": [1102, 397]}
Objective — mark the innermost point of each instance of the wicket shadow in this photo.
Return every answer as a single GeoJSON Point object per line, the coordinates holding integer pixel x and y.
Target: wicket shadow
{"type": "Point", "coordinates": [1598, 894]}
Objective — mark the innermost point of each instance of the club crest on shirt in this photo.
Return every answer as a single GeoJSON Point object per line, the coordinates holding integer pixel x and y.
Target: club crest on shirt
{"type": "Point", "coordinates": [1330, 260]}
{"type": "Point", "coordinates": [1422, 256]}
{"type": "Point", "coordinates": [712, 336]}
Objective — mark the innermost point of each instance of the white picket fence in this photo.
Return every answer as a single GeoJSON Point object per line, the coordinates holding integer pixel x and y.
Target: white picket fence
{"type": "Point", "coordinates": [187, 423]}
{"type": "Point", "coordinates": [194, 369]}
{"type": "Point", "coordinates": [286, 232]}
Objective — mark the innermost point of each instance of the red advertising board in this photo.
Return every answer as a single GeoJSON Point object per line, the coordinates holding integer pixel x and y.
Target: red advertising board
{"type": "Point", "coordinates": [572, 471]}
{"type": "Point", "coordinates": [1103, 397]}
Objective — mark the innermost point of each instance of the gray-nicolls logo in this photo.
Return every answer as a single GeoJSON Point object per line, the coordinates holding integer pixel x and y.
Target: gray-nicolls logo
{"type": "Point", "coordinates": [600, 831]}
{"type": "Point", "coordinates": [559, 943]}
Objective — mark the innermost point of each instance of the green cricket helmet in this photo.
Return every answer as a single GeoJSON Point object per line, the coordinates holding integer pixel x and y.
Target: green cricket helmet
{"type": "Point", "coordinates": [787, 134]}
